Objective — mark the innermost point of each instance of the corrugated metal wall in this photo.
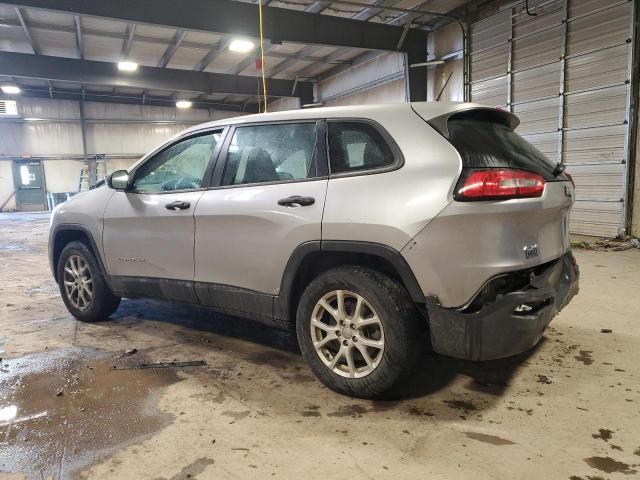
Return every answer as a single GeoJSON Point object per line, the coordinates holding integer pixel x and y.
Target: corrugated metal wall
{"type": "Point", "coordinates": [50, 129]}
{"type": "Point", "coordinates": [379, 80]}
{"type": "Point", "coordinates": [566, 73]}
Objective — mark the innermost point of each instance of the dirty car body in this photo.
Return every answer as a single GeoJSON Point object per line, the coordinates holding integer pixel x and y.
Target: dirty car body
{"type": "Point", "coordinates": [443, 203]}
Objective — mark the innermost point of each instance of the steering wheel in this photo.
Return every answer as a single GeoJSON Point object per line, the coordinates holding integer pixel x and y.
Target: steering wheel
{"type": "Point", "coordinates": [182, 183]}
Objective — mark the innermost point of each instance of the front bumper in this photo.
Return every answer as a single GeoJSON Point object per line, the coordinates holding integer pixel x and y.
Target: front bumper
{"type": "Point", "coordinates": [503, 328]}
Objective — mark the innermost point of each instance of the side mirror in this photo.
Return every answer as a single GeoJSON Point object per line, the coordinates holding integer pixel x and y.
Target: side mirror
{"type": "Point", "coordinates": [118, 180]}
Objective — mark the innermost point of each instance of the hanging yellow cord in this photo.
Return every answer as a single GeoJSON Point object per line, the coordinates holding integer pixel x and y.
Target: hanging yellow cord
{"type": "Point", "coordinates": [264, 81]}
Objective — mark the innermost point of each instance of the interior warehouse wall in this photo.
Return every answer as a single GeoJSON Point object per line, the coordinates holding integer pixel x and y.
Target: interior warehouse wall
{"type": "Point", "coordinates": [121, 132]}
{"type": "Point", "coordinates": [566, 72]}
{"type": "Point", "coordinates": [378, 80]}
{"type": "Point", "coordinates": [446, 82]}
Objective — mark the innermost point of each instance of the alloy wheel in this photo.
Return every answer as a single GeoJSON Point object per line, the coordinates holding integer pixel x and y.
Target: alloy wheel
{"type": "Point", "coordinates": [347, 334]}
{"type": "Point", "coordinates": [78, 283]}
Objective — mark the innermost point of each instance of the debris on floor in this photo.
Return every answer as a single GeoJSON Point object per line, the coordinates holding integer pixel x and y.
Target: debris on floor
{"type": "Point", "coordinates": [174, 364]}
{"type": "Point", "coordinates": [608, 245]}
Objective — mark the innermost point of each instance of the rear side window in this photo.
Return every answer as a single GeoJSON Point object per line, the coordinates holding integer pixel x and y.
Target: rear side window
{"type": "Point", "coordinates": [355, 146]}
{"type": "Point", "coordinates": [487, 143]}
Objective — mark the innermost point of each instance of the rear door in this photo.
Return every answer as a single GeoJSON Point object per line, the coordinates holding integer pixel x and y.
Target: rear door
{"type": "Point", "coordinates": [267, 198]}
{"type": "Point", "coordinates": [148, 234]}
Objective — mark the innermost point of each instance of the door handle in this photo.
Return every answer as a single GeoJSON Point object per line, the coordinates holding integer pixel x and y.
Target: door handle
{"type": "Point", "coordinates": [177, 205]}
{"type": "Point", "coordinates": [296, 201]}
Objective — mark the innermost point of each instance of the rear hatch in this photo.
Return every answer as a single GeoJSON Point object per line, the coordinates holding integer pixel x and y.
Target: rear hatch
{"type": "Point", "coordinates": [510, 205]}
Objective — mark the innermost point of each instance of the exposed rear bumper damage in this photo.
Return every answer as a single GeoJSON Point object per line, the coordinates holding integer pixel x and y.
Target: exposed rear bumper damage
{"type": "Point", "coordinates": [510, 324]}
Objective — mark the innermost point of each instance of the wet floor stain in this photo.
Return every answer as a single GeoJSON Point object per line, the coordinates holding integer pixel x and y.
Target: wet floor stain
{"type": "Point", "coordinates": [354, 411]}
{"type": "Point", "coordinates": [609, 465]}
{"type": "Point", "coordinates": [464, 405]}
{"type": "Point", "coordinates": [14, 247]}
{"type": "Point", "coordinates": [61, 410]}
{"type": "Point", "coordinates": [544, 380]}
{"type": "Point", "coordinates": [603, 434]}
{"type": "Point", "coordinates": [192, 470]}
{"type": "Point", "coordinates": [491, 439]}
{"type": "Point", "coordinates": [584, 357]}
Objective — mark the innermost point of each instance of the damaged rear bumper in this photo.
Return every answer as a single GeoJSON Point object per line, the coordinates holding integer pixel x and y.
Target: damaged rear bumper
{"type": "Point", "coordinates": [511, 324]}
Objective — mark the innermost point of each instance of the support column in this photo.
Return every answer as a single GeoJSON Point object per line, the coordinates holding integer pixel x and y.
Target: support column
{"type": "Point", "coordinates": [91, 164]}
{"type": "Point", "coordinates": [417, 76]}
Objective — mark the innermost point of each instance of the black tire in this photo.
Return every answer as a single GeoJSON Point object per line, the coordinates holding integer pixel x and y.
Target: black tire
{"type": "Point", "coordinates": [398, 316]}
{"type": "Point", "coordinates": [103, 302]}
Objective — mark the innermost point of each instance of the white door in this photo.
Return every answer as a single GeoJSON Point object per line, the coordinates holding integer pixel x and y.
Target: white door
{"type": "Point", "coordinates": [149, 229]}
{"type": "Point", "coordinates": [268, 200]}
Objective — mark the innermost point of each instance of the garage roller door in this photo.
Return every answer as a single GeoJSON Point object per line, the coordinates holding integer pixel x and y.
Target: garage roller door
{"type": "Point", "coordinates": [566, 73]}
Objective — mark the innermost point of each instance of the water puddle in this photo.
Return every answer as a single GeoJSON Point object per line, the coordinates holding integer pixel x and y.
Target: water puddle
{"type": "Point", "coordinates": [61, 410]}
{"type": "Point", "coordinates": [14, 247]}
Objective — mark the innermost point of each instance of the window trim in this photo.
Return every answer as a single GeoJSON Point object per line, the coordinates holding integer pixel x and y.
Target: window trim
{"type": "Point", "coordinates": [207, 173]}
{"type": "Point", "coordinates": [398, 157]}
{"type": "Point", "coordinates": [318, 161]}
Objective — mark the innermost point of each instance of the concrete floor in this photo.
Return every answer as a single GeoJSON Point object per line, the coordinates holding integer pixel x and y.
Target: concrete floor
{"type": "Point", "coordinates": [567, 410]}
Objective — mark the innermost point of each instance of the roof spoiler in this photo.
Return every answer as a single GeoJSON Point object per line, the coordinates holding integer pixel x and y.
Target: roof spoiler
{"type": "Point", "coordinates": [474, 113]}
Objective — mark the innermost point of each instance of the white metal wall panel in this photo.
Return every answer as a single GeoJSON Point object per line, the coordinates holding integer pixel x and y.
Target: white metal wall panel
{"type": "Point", "coordinates": [381, 69]}
{"type": "Point", "coordinates": [489, 42]}
{"type": "Point", "coordinates": [391, 92]}
{"type": "Point", "coordinates": [536, 83]}
{"type": "Point", "coordinates": [537, 117]}
{"type": "Point", "coordinates": [492, 92]}
{"type": "Point", "coordinates": [539, 48]}
{"type": "Point", "coordinates": [565, 72]}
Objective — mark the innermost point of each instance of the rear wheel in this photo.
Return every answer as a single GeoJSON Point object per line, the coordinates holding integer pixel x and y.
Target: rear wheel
{"type": "Point", "coordinates": [357, 330]}
{"type": "Point", "coordinates": [82, 286]}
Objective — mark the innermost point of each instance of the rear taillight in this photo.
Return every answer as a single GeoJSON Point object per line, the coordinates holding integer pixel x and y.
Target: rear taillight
{"type": "Point", "coordinates": [498, 184]}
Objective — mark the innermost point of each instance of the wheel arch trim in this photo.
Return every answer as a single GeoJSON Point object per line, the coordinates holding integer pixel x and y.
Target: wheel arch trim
{"type": "Point", "coordinates": [65, 227]}
{"type": "Point", "coordinates": [302, 251]}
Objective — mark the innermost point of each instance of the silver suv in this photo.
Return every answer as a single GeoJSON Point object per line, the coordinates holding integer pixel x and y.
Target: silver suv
{"type": "Point", "coordinates": [361, 227]}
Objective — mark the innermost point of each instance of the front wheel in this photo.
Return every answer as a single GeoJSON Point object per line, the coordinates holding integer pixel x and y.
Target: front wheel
{"type": "Point", "coordinates": [358, 330]}
{"type": "Point", "coordinates": [84, 291]}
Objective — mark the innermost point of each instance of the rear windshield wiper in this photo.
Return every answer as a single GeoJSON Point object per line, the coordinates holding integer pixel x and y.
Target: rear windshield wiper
{"type": "Point", "coordinates": [560, 167]}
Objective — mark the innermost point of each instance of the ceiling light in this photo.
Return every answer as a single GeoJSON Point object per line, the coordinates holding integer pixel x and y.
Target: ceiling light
{"type": "Point", "coordinates": [11, 89]}
{"type": "Point", "coordinates": [127, 66]}
{"type": "Point", "coordinates": [241, 46]}
{"type": "Point", "coordinates": [183, 104]}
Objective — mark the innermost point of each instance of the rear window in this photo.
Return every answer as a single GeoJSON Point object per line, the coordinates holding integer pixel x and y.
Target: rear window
{"type": "Point", "coordinates": [355, 146]}
{"type": "Point", "coordinates": [486, 143]}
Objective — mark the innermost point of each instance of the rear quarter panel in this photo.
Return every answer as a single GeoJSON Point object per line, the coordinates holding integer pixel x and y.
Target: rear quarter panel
{"type": "Point", "coordinates": [470, 242]}
{"type": "Point", "coordinates": [390, 208]}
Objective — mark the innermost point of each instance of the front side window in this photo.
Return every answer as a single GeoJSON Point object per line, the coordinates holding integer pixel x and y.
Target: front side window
{"type": "Point", "coordinates": [355, 146]}
{"type": "Point", "coordinates": [182, 166]}
{"type": "Point", "coordinates": [271, 153]}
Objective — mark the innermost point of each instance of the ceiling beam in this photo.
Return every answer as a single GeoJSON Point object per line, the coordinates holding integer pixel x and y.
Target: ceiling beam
{"type": "Point", "coordinates": [128, 40]}
{"type": "Point", "coordinates": [212, 54]}
{"type": "Point", "coordinates": [27, 31]}
{"type": "Point", "coordinates": [129, 36]}
{"type": "Point", "coordinates": [77, 25]}
{"type": "Point", "coordinates": [238, 18]}
{"type": "Point", "coordinates": [66, 94]}
{"type": "Point", "coordinates": [91, 72]}
{"type": "Point", "coordinates": [363, 15]}
{"type": "Point", "coordinates": [282, 66]}
{"type": "Point", "coordinates": [171, 49]}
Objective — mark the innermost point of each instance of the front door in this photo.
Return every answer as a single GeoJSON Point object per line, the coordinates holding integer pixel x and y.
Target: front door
{"type": "Point", "coordinates": [267, 198]}
{"type": "Point", "coordinates": [149, 229]}
{"type": "Point", "coordinates": [28, 178]}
